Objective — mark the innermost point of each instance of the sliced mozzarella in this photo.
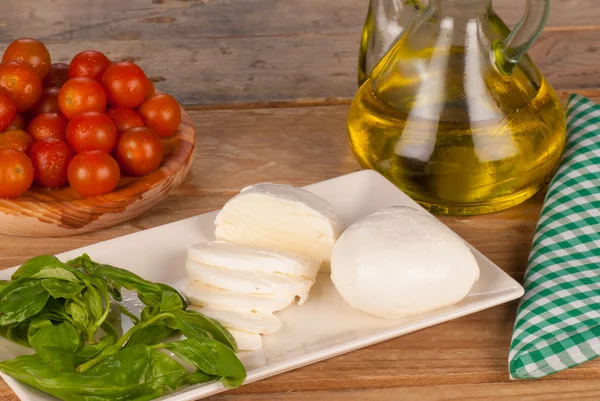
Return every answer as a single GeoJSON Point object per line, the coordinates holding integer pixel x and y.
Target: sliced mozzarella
{"type": "Point", "coordinates": [258, 323]}
{"type": "Point", "coordinates": [251, 258]}
{"type": "Point", "coordinates": [215, 298]}
{"type": "Point", "coordinates": [246, 341]}
{"type": "Point", "coordinates": [249, 282]}
{"type": "Point", "coordinates": [280, 217]}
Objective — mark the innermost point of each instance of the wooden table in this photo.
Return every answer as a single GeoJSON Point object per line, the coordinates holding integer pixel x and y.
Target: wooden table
{"type": "Point", "coordinates": [268, 83]}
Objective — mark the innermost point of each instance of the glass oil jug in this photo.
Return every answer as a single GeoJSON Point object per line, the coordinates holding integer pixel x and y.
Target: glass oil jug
{"type": "Point", "coordinates": [456, 114]}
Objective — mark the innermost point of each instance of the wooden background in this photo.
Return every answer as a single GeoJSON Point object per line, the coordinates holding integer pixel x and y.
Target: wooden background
{"type": "Point", "coordinates": [267, 84]}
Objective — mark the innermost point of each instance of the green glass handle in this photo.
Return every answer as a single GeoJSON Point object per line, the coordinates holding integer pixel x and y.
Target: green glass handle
{"type": "Point", "coordinates": [509, 52]}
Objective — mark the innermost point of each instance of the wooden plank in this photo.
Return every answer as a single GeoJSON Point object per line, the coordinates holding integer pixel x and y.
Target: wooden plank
{"type": "Point", "coordinates": [306, 69]}
{"type": "Point", "coordinates": [84, 20]}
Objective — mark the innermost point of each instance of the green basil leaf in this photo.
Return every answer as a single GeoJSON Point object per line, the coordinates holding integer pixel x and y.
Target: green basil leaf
{"type": "Point", "coordinates": [22, 299]}
{"type": "Point", "coordinates": [61, 289]}
{"type": "Point", "coordinates": [93, 300]}
{"type": "Point", "coordinates": [151, 335]}
{"type": "Point", "coordinates": [168, 288]}
{"type": "Point", "coordinates": [170, 301]}
{"type": "Point", "coordinates": [56, 273]}
{"type": "Point", "coordinates": [3, 284]}
{"type": "Point", "coordinates": [62, 336]}
{"type": "Point", "coordinates": [148, 292]}
{"type": "Point", "coordinates": [37, 324]}
{"type": "Point", "coordinates": [193, 324]}
{"type": "Point", "coordinates": [18, 334]}
{"type": "Point", "coordinates": [78, 313]}
{"type": "Point", "coordinates": [92, 350]}
{"type": "Point", "coordinates": [36, 265]}
{"type": "Point", "coordinates": [211, 357]}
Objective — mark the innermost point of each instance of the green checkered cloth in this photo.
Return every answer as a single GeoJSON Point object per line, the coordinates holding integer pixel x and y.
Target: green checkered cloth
{"type": "Point", "coordinates": [558, 320]}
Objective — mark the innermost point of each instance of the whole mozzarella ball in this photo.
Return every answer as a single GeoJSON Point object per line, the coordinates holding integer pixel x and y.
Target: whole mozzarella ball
{"type": "Point", "coordinates": [400, 262]}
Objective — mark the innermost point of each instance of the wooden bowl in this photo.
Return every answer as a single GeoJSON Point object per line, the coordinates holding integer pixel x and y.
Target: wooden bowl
{"type": "Point", "coordinates": [62, 212]}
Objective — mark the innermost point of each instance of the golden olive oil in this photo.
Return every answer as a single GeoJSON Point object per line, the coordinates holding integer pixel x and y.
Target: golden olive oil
{"type": "Point", "coordinates": [462, 138]}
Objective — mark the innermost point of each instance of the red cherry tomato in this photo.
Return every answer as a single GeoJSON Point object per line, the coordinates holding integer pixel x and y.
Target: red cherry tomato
{"type": "Point", "coordinates": [89, 64]}
{"type": "Point", "coordinates": [48, 103]}
{"type": "Point", "coordinates": [22, 82]}
{"type": "Point", "coordinates": [8, 110]}
{"type": "Point", "coordinates": [48, 126]}
{"type": "Point", "coordinates": [16, 173]}
{"type": "Point", "coordinates": [92, 131]}
{"type": "Point", "coordinates": [31, 52]}
{"type": "Point", "coordinates": [79, 95]}
{"type": "Point", "coordinates": [139, 151]}
{"type": "Point", "coordinates": [18, 123]}
{"type": "Point", "coordinates": [50, 161]}
{"type": "Point", "coordinates": [126, 85]}
{"type": "Point", "coordinates": [151, 90]}
{"type": "Point", "coordinates": [125, 118]}
{"type": "Point", "coordinates": [16, 139]}
{"type": "Point", "coordinates": [162, 114]}
{"type": "Point", "coordinates": [93, 173]}
{"type": "Point", "coordinates": [58, 75]}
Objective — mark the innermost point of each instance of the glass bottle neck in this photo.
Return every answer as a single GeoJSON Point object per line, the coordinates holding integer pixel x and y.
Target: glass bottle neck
{"type": "Point", "coordinates": [463, 8]}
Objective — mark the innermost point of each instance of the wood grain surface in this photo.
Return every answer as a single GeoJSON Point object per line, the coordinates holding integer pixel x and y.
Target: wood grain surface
{"type": "Point", "coordinates": [267, 84]}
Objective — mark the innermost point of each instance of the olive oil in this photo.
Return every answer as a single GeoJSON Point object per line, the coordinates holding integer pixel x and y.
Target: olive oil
{"type": "Point", "coordinates": [456, 134]}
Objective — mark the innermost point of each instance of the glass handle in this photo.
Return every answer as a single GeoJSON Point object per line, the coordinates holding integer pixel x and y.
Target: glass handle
{"type": "Point", "coordinates": [509, 52]}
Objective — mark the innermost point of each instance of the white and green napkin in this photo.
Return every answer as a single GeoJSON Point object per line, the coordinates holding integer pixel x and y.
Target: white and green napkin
{"type": "Point", "coordinates": [558, 319]}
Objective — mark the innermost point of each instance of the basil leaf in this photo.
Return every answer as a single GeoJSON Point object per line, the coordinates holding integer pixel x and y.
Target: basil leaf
{"type": "Point", "coordinates": [37, 324]}
{"type": "Point", "coordinates": [61, 289]}
{"type": "Point", "coordinates": [211, 357]}
{"type": "Point", "coordinates": [78, 313]}
{"type": "Point", "coordinates": [18, 334]}
{"type": "Point", "coordinates": [36, 265]}
{"type": "Point", "coordinates": [168, 288]}
{"type": "Point", "coordinates": [56, 273]}
{"type": "Point", "coordinates": [62, 336]}
{"type": "Point", "coordinates": [92, 350]}
{"type": "Point", "coordinates": [3, 284]}
{"type": "Point", "coordinates": [170, 301]}
{"type": "Point", "coordinates": [22, 299]}
{"type": "Point", "coordinates": [196, 378]}
{"type": "Point", "coordinates": [148, 292]}
{"type": "Point", "coordinates": [193, 324]}
{"type": "Point", "coordinates": [93, 300]}
{"type": "Point", "coordinates": [151, 335]}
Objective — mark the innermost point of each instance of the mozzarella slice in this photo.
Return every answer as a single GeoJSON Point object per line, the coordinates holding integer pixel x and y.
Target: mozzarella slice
{"type": "Point", "coordinates": [257, 323]}
{"type": "Point", "coordinates": [215, 298]}
{"type": "Point", "coordinates": [249, 282]}
{"type": "Point", "coordinates": [252, 259]}
{"type": "Point", "coordinates": [246, 341]}
{"type": "Point", "coordinates": [280, 217]}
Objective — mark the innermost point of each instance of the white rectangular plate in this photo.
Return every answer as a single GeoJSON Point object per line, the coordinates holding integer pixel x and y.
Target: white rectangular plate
{"type": "Point", "coordinates": [322, 328]}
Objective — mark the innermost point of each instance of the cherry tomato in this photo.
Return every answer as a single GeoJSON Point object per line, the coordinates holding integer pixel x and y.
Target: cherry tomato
{"type": "Point", "coordinates": [31, 52]}
{"type": "Point", "coordinates": [48, 103]}
{"type": "Point", "coordinates": [47, 126]}
{"type": "Point", "coordinates": [139, 151]}
{"type": "Point", "coordinates": [162, 114]}
{"type": "Point", "coordinates": [89, 64]}
{"type": "Point", "coordinates": [93, 173]}
{"type": "Point", "coordinates": [92, 131]}
{"type": "Point", "coordinates": [16, 173]}
{"type": "Point", "coordinates": [16, 139]}
{"type": "Point", "coordinates": [8, 110]}
{"type": "Point", "coordinates": [79, 95]}
{"type": "Point", "coordinates": [50, 161]}
{"type": "Point", "coordinates": [126, 85]}
{"type": "Point", "coordinates": [151, 90]}
{"type": "Point", "coordinates": [58, 75]}
{"type": "Point", "coordinates": [22, 82]}
{"type": "Point", "coordinates": [18, 123]}
{"type": "Point", "coordinates": [125, 118]}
